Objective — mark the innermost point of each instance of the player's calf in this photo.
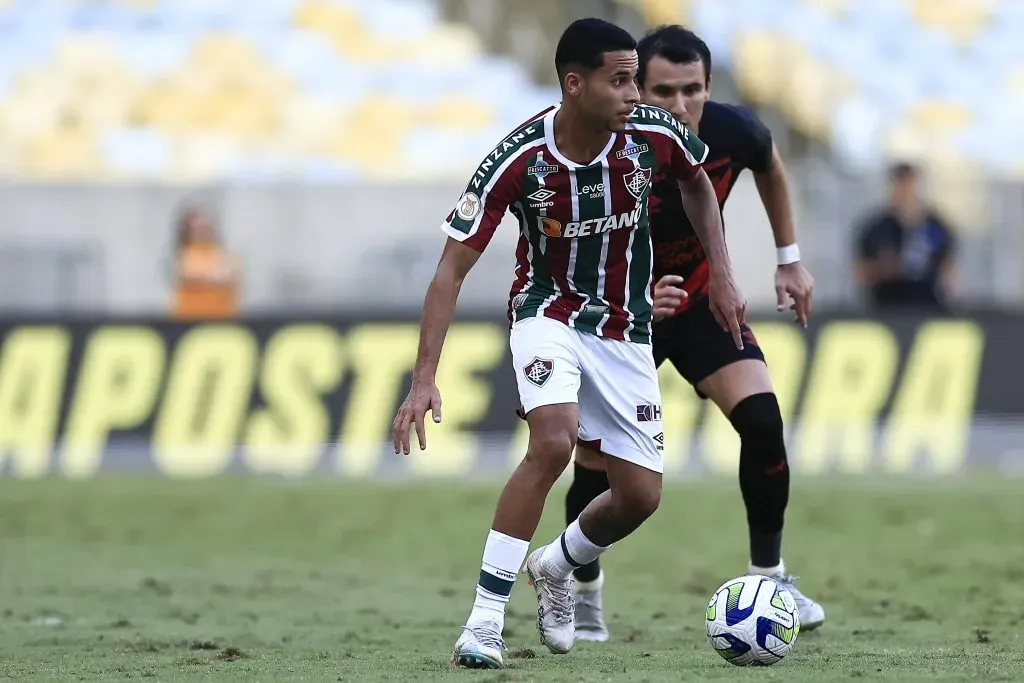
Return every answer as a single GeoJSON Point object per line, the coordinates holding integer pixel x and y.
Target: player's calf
{"type": "Point", "coordinates": [764, 474]}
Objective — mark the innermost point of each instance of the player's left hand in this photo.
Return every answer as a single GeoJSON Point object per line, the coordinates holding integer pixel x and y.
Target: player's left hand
{"type": "Point", "coordinates": [793, 280]}
{"type": "Point", "coordinates": [668, 296]}
{"type": "Point", "coordinates": [423, 397]}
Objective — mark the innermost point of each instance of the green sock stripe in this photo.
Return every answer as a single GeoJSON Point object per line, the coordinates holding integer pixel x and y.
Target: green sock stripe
{"type": "Point", "coordinates": [492, 584]}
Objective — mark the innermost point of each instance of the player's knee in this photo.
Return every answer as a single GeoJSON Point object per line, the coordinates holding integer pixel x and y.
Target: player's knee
{"type": "Point", "coordinates": [551, 452]}
{"type": "Point", "coordinates": [758, 418]}
{"type": "Point", "coordinates": [639, 503]}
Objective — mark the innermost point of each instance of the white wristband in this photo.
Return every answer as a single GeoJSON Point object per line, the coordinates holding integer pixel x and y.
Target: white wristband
{"type": "Point", "coordinates": [788, 254]}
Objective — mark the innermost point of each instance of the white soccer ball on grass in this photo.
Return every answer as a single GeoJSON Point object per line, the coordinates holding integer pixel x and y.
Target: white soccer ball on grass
{"type": "Point", "coordinates": [752, 621]}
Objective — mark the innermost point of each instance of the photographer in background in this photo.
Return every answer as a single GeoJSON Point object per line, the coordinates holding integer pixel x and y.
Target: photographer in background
{"type": "Point", "coordinates": [206, 275]}
{"type": "Point", "coordinates": [905, 251]}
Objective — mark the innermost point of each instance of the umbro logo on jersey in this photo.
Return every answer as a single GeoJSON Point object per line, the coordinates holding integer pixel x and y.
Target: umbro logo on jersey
{"type": "Point", "coordinates": [540, 198]}
{"type": "Point", "coordinates": [538, 371]}
{"type": "Point", "coordinates": [633, 151]}
{"type": "Point", "coordinates": [541, 195]}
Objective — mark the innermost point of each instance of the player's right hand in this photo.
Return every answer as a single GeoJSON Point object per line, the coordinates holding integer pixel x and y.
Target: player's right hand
{"type": "Point", "coordinates": [422, 397]}
{"type": "Point", "coordinates": [668, 296]}
{"type": "Point", "coordinates": [728, 305]}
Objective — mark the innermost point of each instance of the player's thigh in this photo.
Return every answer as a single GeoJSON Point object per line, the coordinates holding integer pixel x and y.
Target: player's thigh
{"type": "Point", "coordinates": [708, 359]}
{"type": "Point", "coordinates": [620, 402]}
{"type": "Point", "coordinates": [589, 456]}
{"type": "Point", "coordinates": [545, 355]}
{"type": "Point", "coordinates": [732, 383]}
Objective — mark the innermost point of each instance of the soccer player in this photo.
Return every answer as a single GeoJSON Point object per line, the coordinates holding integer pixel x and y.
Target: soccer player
{"type": "Point", "coordinates": [578, 177]}
{"type": "Point", "coordinates": [675, 74]}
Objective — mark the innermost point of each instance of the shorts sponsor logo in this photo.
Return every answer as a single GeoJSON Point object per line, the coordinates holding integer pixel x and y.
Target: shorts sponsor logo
{"type": "Point", "coordinates": [632, 151]}
{"type": "Point", "coordinates": [648, 412]}
{"type": "Point", "coordinates": [538, 371]}
{"type": "Point", "coordinates": [469, 206]}
{"type": "Point", "coordinates": [659, 441]}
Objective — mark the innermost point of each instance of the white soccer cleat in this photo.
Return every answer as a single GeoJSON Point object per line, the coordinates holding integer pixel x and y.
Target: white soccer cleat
{"type": "Point", "coordinates": [589, 600]}
{"type": "Point", "coordinates": [480, 647]}
{"type": "Point", "coordinates": [812, 615]}
{"type": "Point", "coordinates": [555, 604]}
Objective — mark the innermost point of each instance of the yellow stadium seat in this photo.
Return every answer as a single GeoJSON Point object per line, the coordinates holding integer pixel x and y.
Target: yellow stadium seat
{"type": "Point", "coordinates": [64, 153]}
{"type": "Point", "coordinates": [307, 124]}
{"type": "Point", "coordinates": [168, 108]}
{"type": "Point", "coordinates": [446, 44]}
{"type": "Point", "coordinates": [202, 158]}
{"type": "Point", "coordinates": [940, 117]}
{"type": "Point", "coordinates": [461, 114]}
{"type": "Point", "coordinates": [373, 133]}
{"type": "Point", "coordinates": [339, 24]}
{"type": "Point", "coordinates": [242, 114]}
{"type": "Point", "coordinates": [88, 53]}
{"type": "Point", "coordinates": [761, 64]}
{"type": "Point", "coordinates": [961, 19]}
{"type": "Point", "coordinates": [960, 191]}
{"type": "Point", "coordinates": [657, 12]}
{"type": "Point", "coordinates": [832, 7]}
{"type": "Point", "coordinates": [225, 54]}
{"type": "Point", "coordinates": [810, 92]}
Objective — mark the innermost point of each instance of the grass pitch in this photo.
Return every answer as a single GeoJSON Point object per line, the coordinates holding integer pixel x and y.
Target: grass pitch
{"type": "Point", "coordinates": [254, 580]}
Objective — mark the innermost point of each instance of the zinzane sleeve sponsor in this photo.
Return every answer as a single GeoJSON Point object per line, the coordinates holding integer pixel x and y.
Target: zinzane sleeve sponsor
{"type": "Point", "coordinates": [490, 191]}
{"type": "Point", "coordinates": [676, 145]}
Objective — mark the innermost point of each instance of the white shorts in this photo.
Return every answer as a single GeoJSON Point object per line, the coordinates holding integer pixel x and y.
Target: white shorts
{"type": "Point", "coordinates": [614, 382]}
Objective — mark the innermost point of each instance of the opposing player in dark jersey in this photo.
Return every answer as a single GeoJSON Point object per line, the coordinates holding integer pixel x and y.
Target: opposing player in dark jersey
{"type": "Point", "coordinates": [578, 178]}
{"type": "Point", "coordinates": [675, 73]}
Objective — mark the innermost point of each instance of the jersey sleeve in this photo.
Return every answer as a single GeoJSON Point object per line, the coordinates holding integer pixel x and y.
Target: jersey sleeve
{"type": "Point", "coordinates": [483, 204]}
{"type": "Point", "coordinates": [688, 153]}
{"type": "Point", "coordinates": [757, 141]}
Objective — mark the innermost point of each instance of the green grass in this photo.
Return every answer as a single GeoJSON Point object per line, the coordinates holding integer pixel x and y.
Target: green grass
{"type": "Point", "coordinates": [255, 580]}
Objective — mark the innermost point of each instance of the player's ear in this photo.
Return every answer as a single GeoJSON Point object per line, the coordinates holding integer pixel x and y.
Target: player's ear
{"type": "Point", "coordinates": [573, 83]}
{"type": "Point", "coordinates": [707, 86]}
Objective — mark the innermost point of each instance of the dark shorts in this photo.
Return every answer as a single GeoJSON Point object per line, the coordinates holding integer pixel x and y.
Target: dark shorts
{"type": "Point", "coordinates": [697, 347]}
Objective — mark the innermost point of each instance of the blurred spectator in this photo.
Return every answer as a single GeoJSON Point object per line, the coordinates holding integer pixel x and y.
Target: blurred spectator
{"type": "Point", "coordinates": [905, 251]}
{"type": "Point", "coordinates": [207, 276]}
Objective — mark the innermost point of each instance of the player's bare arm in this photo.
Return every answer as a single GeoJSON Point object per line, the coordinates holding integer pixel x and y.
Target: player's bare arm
{"type": "Point", "coordinates": [701, 206]}
{"type": "Point", "coordinates": [791, 278]}
{"type": "Point", "coordinates": [457, 260]}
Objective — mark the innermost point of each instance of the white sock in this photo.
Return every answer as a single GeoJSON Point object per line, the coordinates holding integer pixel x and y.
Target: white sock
{"type": "Point", "coordinates": [571, 550]}
{"type": "Point", "coordinates": [780, 568]}
{"type": "Point", "coordinates": [503, 558]}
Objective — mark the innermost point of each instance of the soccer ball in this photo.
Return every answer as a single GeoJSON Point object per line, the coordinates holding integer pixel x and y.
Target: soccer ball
{"type": "Point", "coordinates": [752, 621]}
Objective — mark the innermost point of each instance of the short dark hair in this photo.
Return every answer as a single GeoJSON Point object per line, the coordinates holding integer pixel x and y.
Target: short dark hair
{"type": "Point", "coordinates": [902, 170]}
{"type": "Point", "coordinates": [584, 42]}
{"type": "Point", "coordinates": [675, 43]}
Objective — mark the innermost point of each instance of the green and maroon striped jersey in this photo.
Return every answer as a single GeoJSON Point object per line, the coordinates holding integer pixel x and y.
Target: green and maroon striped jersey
{"type": "Point", "coordinates": [584, 256]}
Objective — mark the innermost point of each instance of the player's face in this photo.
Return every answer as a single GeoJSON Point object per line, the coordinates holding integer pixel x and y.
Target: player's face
{"type": "Point", "coordinates": [680, 89]}
{"type": "Point", "coordinates": [609, 94]}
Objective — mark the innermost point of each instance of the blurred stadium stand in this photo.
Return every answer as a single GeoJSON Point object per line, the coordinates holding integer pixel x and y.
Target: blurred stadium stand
{"type": "Point", "coordinates": [350, 94]}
